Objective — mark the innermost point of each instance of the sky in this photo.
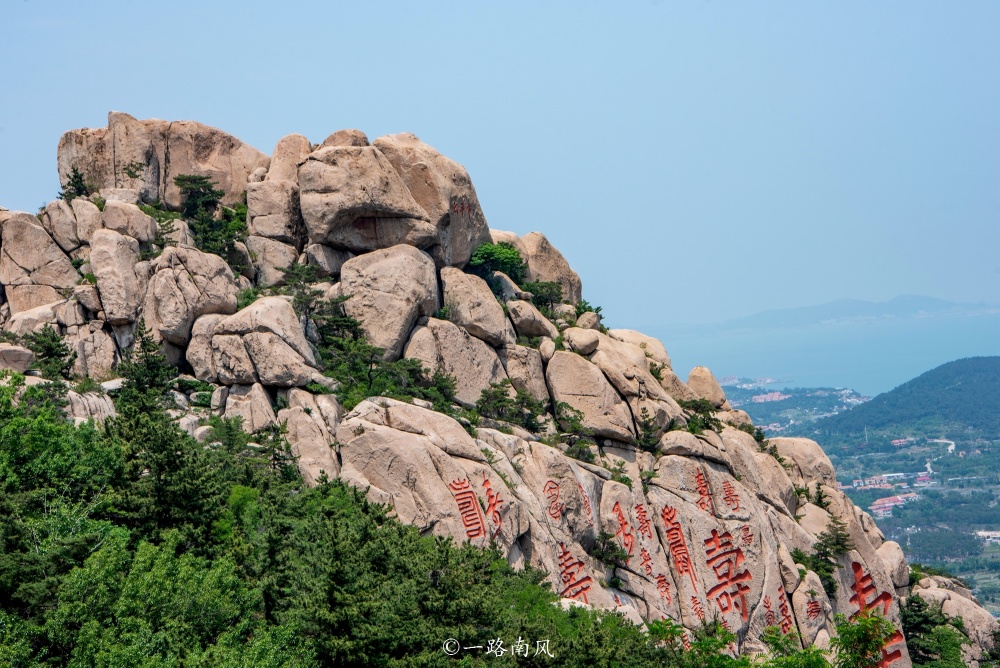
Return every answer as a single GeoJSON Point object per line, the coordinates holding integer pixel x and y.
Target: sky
{"type": "Point", "coordinates": [695, 161]}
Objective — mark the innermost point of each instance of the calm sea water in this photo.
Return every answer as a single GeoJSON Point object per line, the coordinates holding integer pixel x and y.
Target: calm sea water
{"type": "Point", "coordinates": [870, 357]}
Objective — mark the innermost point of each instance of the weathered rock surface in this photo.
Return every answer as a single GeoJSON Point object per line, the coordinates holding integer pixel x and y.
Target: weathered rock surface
{"type": "Point", "coordinates": [352, 198]}
{"type": "Point", "coordinates": [472, 306]}
{"type": "Point", "coordinates": [528, 320]}
{"type": "Point", "coordinates": [186, 284]}
{"type": "Point", "coordinates": [579, 383]}
{"type": "Point", "coordinates": [442, 345]}
{"type": "Point", "coordinates": [545, 263]}
{"type": "Point", "coordinates": [114, 259]}
{"type": "Point", "coordinates": [15, 358]}
{"type": "Point", "coordinates": [387, 290]}
{"type": "Point", "coordinates": [146, 156]}
{"type": "Point", "coordinates": [705, 386]}
{"type": "Point", "coordinates": [444, 191]}
{"type": "Point", "coordinates": [127, 219]}
{"type": "Point", "coordinates": [33, 268]}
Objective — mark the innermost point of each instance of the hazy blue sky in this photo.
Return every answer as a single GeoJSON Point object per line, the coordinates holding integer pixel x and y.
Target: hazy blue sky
{"type": "Point", "coordinates": [695, 161]}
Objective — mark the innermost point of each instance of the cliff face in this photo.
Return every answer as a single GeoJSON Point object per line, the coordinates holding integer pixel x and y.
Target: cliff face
{"type": "Point", "coordinates": [706, 522]}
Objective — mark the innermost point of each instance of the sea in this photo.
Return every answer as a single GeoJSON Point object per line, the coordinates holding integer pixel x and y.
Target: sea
{"type": "Point", "coordinates": [869, 356]}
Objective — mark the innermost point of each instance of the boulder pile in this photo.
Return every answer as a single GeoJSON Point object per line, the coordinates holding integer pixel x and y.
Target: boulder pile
{"type": "Point", "coordinates": [705, 520]}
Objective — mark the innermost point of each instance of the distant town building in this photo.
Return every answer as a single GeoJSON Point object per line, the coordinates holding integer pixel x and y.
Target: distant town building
{"type": "Point", "coordinates": [770, 396]}
{"type": "Point", "coordinates": [991, 537]}
{"type": "Point", "coordinates": [882, 508]}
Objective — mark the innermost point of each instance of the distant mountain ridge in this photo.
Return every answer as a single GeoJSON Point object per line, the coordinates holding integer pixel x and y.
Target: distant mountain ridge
{"type": "Point", "coordinates": [903, 306]}
{"type": "Point", "coordinates": [964, 393]}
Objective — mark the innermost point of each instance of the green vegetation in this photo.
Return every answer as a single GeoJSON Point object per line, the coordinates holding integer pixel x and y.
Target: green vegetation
{"type": "Point", "coordinates": [503, 257]}
{"type": "Point", "coordinates": [946, 399]}
{"type": "Point", "coordinates": [583, 306]}
{"type": "Point", "coordinates": [933, 638]}
{"type": "Point", "coordinates": [701, 416]}
{"type": "Point", "coordinates": [544, 295]}
{"type": "Point", "coordinates": [520, 409]}
{"type": "Point", "coordinates": [214, 228]}
{"type": "Point", "coordinates": [77, 186]}
{"type": "Point", "coordinates": [832, 543]}
{"type": "Point", "coordinates": [53, 357]}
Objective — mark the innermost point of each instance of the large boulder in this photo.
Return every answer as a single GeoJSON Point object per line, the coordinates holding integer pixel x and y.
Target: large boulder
{"type": "Point", "coordinates": [387, 290]}
{"type": "Point", "coordinates": [288, 153]}
{"type": "Point", "coordinates": [147, 155]}
{"type": "Point", "coordinates": [186, 283]}
{"type": "Point", "coordinates": [33, 268]}
{"type": "Point", "coordinates": [59, 221]}
{"type": "Point", "coordinates": [15, 358]}
{"type": "Point", "coordinates": [444, 191]}
{"type": "Point", "coordinates": [252, 404]}
{"type": "Point", "coordinates": [274, 315]}
{"type": "Point", "coordinates": [582, 385]}
{"type": "Point", "coordinates": [129, 220]}
{"type": "Point", "coordinates": [529, 321]}
{"type": "Point", "coordinates": [443, 346]}
{"type": "Point", "coordinates": [705, 386]}
{"type": "Point", "coordinates": [273, 210]}
{"type": "Point", "coordinates": [352, 198]}
{"type": "Point", "coordinates": [545, 263]}
{"type": "Point", "coordinates": [113, 260]}
{"type": "Point", "coordinates": [525, 370]}
{"type": "Point", "coordinates": [269, 258]}
{"type": "Point", "coordinates": [471, 304]}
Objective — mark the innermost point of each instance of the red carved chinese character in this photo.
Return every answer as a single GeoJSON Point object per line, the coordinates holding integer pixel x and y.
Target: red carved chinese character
{"type": "Point", "coordinates": [643, 520]}
{"type": "Point", "coordinates": [624, 532]}
{"type": "Point", "coordinates": [786, 616]}
{"type": "Point", "coordinates": [686, 640]}
{"type": "Point", "coordinates": [866, 598]}
{"type": "Point", "coordinates": [699, 611]}
{"type": "Point", "coordinates": [575, 586]}
{"type": "Point", "coordinates": [618, 601]}
{"type": "Point", "coordinates": [468, 508]}
{"type": "Point", "coordinates": [586, 504]}
{"type": "Point", "coordinates": [725, 559]}
{"type": "Point", "coordinates": [647, 561]}
{"type": "Point", "coordinates": [551, 491]}
{"type": "Point", "coordinates": [864, 588]}
{"type": "Point", "coordinates": [769, 618]}
{"type": "Point", "coordinates": [678, 545]}
{"type": "Point", "coordinates": [813, 609]}
{"type": "Point", "coordinates": [493, 504]}
{"type": "Point", "coordinates": [730, 496]}
{"type": "Point", "coordinates": [663, 587]}
{"type": "Point", "coordinates": [746, 535]}
{"type": "Point", "coordinates": [704, 492]}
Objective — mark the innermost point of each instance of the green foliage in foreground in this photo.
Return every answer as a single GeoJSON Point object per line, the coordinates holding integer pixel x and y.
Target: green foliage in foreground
{"type": "Point", "coordinates": [134, 545]}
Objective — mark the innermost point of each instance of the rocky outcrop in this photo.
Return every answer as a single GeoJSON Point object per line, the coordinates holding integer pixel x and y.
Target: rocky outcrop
{"type": "Point", "coordinates": [146, 156]}
{"type": "Point", "coordinates": [34, 270]}
{"type": "Point", "coordinates": [956, 600]}
{"type": "Point", "coordinates": [351, 197]}
{"type": "Point", "coordinates": [446, 347]}
{"type": "Point", "coordinates": [387, 290]}
{"type": "Point", "coordinates": [545, 263]}
{"type": "Point", "coordinates": [444, 191]}
{"type": "Point", "coordinates": [471, 305]}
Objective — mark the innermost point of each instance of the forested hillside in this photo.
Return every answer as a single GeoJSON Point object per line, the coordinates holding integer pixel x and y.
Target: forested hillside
{"type": "Point", "coordinates": [961, 396]}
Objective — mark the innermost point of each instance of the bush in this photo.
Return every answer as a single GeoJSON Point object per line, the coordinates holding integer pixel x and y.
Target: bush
{"type": "Point", "coordinates": [834, 542]}
{"type": "Point", "coordinates": [77, 186]}
{"type": "Point", "coordinates": [503, 257]}
{"type": "Point", "coordinates": [214, 228]}
{"type": "Point", "coordinates": [521, 409]}
{"type": "Point", "coordinates": [702, 416]}
{"type": "Point", "coordinates": [544, 295]}
{"type": "Point", "coordinates": [53, 357]}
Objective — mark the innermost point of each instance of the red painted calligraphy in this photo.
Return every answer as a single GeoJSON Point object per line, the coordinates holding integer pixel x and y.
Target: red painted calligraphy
{"type": "Point", "coordinates": [746, 535]}
{"type": "Point", "coordinates": [686, 640]}
{"type": "Point", "coordinates": [551, 491]}
{"type": "Point", "coordinates": [468, 508]}
{"type": "Point", "coordinates": [586, 504]}
{"type": "Point", "coordinates": [663, 587]}
{"type": "Point", "coordinates": [678, 545]}
{"type": "Point", "coordinates": [494, 504]}
{"type": "Point", "coordinates": [647, 561]}
{"type": "Point", "coordinates": [624, 533]}
{"type": "Point", "coordinates": [640, 515]}
{"type": "Point", "coordinates": [704, 492]}
{"type": "Point", "coordinates": [618, 601]}
{"type": "Point", "coordinates": [867, 597]}
{"type": "Point", "coordinates": [699, 611]}
{"type": "Point", "coordinates": [786, 622]}
{"type": "Point", "coordinates": [729, 495]}
{"type": "Point", "coordinates": [769, 617]}
{"type": "Point", "coordinates": [813, 609]}
{"type": "Point", "coordinates": [726, 559]}
{"type": "Point", "coordinates": [575, 582]}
